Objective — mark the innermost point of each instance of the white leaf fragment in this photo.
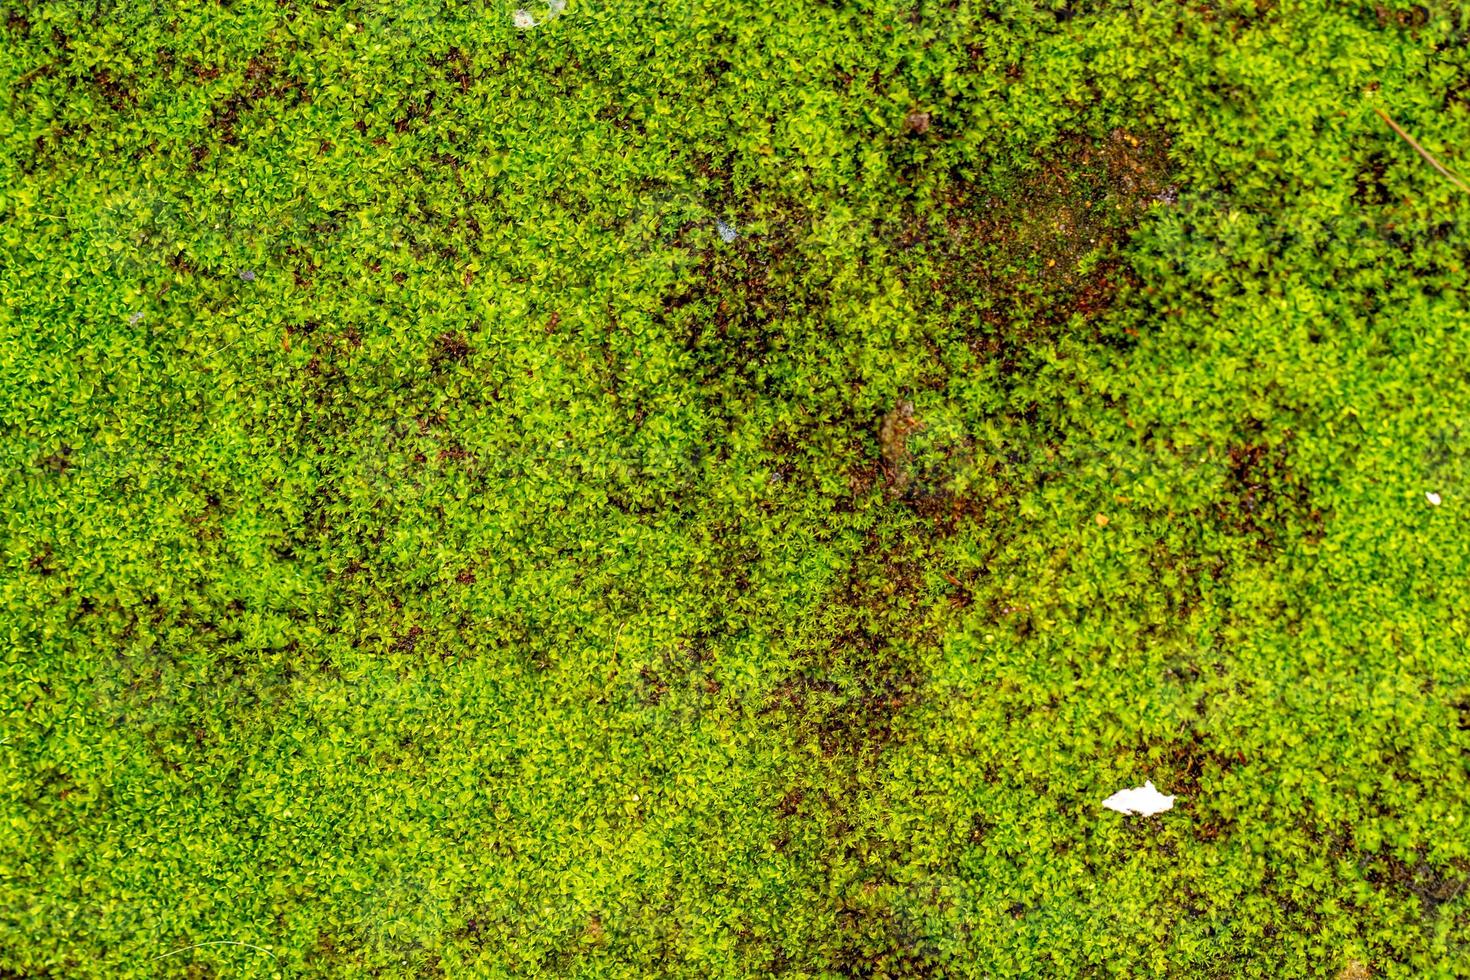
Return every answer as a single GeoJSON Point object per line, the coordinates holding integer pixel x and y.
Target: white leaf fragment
{"type": "Point", "coordinates": [1433, 498]}
{"type": "Point", "coordinates": [1142, 800]}
{"type": "Point", "coordinates": [727, 231]}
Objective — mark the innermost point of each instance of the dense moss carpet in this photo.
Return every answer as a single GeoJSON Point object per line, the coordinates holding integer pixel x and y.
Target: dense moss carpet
{"type": "Point", "coordinates": [727, 489]}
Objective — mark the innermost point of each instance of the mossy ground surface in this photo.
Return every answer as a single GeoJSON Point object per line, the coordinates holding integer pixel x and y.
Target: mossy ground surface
{"type": "Point", "coordinates": [434, 546]}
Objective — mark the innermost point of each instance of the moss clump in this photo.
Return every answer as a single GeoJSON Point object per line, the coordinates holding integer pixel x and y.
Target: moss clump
{"type": "Point", "coordinates": [728, 491]}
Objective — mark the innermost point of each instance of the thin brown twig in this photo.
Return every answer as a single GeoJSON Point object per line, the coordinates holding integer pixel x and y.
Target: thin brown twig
{"type": "Point", "coordinates": [1420, 150]}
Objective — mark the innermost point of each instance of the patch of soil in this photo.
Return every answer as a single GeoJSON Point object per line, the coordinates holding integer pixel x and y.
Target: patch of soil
{"type": "Point", "coordinates": [260, 83]}
{"type": "Point", "coordinates": [739, 295]}
{"type": "Point", "coordinates": [881, 942]}
{"type": "Point", "coordinates": [1432, 886]}
{"type": "Point", "coordinates": [850, 692]}
{"type": "Point", "coordinates": [1264, 497]}
{"type": "Point", "coordinates": [449, 348]}
{"type": "Point", "coordinates": [893, 434]}
{"type": "Point", "coordinates": [1049, 246]}
{"type": "Point", "coordinates": [850, 696]}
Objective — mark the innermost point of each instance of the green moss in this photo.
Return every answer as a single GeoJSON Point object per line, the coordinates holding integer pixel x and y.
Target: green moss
{"type": "Point", "coordinates": [433, 545]}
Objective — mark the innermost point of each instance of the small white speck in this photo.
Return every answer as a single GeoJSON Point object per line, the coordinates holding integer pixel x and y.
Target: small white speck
{"type": "Point", "coordinates": [1433, 498]}
{"type": "Point", "coordinates": [727, 231]}
{"type": "Point", "coordinates": [523, 20]}
{"type": "Point", "coordinates": [1142, 800]}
